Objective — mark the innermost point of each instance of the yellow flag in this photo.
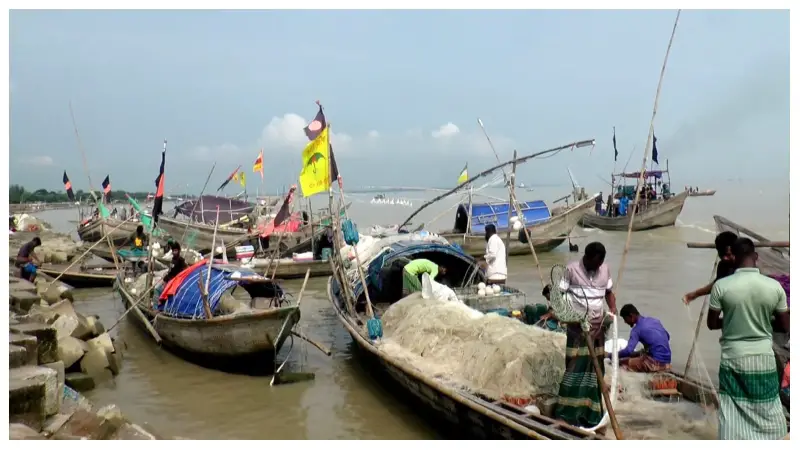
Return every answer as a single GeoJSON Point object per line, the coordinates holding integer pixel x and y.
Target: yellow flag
{"type": "Point", "coordinates": [235, 176]}
{"type": "Point", "coordinates": [463, 177]}
{"type": "Point", "coordinates": [315, 176]}
{"type": "Point", "coordinates": [242, 179]}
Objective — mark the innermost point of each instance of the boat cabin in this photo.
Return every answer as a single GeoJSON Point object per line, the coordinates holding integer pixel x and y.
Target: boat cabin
{"type": "Point", "coordinates": [533, 212]}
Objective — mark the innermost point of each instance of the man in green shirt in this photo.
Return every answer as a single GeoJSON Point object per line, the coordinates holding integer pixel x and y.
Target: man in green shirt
{"type": "Point", "coordinates": [413, 271]}
{"type": "Point", "coordinates": [742, 306]}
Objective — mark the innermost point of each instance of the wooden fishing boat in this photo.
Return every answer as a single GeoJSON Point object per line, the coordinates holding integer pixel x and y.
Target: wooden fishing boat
{"type": "Point", "coordinates": [81, 277]}
{"type": "Point", "coordinates": [547, 231]}
{"type": "Point", "coordinates": [706, 193]}
{"type": "Point", "coordinates": [771, 261]}
{"type": "Point", "coordinates": [96, 229]}
{"type": "Point", "coordinates": [657, 214]}
{"type": "Point", "coordinates": [287, 268]}
{"type": "Point", "coordinates": [220, 341]}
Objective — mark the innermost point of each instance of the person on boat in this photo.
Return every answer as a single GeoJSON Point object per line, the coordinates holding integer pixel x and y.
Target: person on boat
{"type": "Point", "coordinates": [495, 257]}
{"type": "Point", "coordinates": [540, 315]}
{"type": "Point", "coordinates": [742, 306]}
{"type": "Point", "coordinates": [27, 260]}
{"type": "Point", "coordinates": [598, 204]}
{"type": "Point", "coordinates": [726, 265]}
{"type": "Point", "coordinates": [138, 239]}
{"type": "Point", "coordinates": [587, 285]}
{"type": "Point", "coordinates": [178, 264]}
{"type": "Point", "coordinates": [412, 274]}
{"type": "Point", "coordinates": [623, 205]}
{"type": "Point", "coordinates": [651, 333]}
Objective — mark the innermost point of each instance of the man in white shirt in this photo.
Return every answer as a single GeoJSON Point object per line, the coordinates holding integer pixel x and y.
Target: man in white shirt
{"type": "Point", "coordinates": [496, 271]}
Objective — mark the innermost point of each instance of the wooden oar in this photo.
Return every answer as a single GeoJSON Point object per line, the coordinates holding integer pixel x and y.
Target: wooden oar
{"type": "Point", "coordinates": [316, 344]}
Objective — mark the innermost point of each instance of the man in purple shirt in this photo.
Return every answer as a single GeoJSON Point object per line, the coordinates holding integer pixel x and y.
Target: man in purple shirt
{"type": "Point", "coordinates": [657, 356]}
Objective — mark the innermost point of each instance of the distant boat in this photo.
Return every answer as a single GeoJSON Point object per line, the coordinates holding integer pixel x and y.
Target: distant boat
{"type": "Point", "coordinates": [706, 193]}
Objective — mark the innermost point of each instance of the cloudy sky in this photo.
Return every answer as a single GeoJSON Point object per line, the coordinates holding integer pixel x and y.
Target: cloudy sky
{"type": "Point", "coordinates": [402, 91]}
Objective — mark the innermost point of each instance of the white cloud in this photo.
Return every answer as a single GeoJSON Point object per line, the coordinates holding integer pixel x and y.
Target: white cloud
{"type": "Point", "coordinates": [287, 133]}
{"type": "Point", "coordinates": [215, 153]}
{"type": "Point", "coordinates": [39, 161]}
{"type": "Point", "coordinates": [373, 134]}
{"type": "Point", "coordinates": [445, 131]}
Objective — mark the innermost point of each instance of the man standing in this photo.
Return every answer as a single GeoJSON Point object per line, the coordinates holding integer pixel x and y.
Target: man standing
{"type": "Point", "coordinates": [726, 265]}
{"type": "Point", "coordinates": [749, 384]}
{"type": "Point", "coordinates": [496, 270]}
{"type": "Point", "coordinates": [26, 259]}
{"type": "Point", "coordinates": [649, 331]}
{"type": "Point", "coordinates": [587, 284]}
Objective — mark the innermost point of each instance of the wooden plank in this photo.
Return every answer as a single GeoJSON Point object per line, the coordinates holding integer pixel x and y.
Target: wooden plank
{"type": "Point", "coordinates": [769, 244]}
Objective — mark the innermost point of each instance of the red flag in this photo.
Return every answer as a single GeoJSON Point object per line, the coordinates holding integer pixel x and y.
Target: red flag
{"type": "Point", "coordinates": [282, 215]}
{"type": "Point", "coordinates": [228, 180]}
{"type": "Point", "coordinates": [68, 187]}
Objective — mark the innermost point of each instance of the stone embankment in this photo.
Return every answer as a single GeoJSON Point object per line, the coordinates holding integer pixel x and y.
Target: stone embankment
{"type": "Point", "coordinates": [54, 354]}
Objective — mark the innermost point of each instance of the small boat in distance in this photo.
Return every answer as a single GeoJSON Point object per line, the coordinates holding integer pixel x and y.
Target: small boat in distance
{"type": "Point", "coordinates": [706, 193]}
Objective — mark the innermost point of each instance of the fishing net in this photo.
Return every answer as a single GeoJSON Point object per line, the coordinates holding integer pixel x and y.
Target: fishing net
{"type": "Point", "coordinates": [491, 355]}
{"type": "Point", "coordinates": [563, 309]}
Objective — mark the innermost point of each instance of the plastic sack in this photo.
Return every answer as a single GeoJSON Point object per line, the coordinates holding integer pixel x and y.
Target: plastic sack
{"type": "Point", "coordinates": [437, 291]}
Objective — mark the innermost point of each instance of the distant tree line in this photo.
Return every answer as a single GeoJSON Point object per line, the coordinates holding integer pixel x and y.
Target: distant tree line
{"type": "Point", "coordinates": [18, 194]}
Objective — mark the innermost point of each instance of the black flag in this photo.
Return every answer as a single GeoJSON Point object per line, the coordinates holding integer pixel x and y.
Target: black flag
{"type": "Point", "coordinates": [655, 150]}
{"type": "Point", "coordinates": [313, 130]}
{"type": "Point", "coordinates": [68, 187]}
{"type": "Point", "coordinates": [158, 202]}
{"type": "Point", "coordinates": [614, 139]}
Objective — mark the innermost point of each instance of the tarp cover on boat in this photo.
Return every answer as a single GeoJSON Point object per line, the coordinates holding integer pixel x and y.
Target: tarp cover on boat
{"type": "Point", "coordinates": [206, 211]}
{"type": "Point", "coordinates": [182, 293]}
{"type": "Point", "coordinates": [497, 213]}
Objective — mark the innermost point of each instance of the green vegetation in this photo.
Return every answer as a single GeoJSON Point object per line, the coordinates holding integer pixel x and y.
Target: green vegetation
{"type": "Point", "coordinates": [18, 194]}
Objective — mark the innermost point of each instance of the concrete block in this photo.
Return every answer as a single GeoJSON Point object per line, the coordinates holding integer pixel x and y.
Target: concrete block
{"type": "Point", "coordinates": [26, 402]}
{"type": "Point", "coordinates": [29, 343]}
{"type": "Point", "coordinates": [130, 432]}
{"type": "Point", "coordinates": [73, 400]}
{"type": "Point", "coordinates": [80, 381]}
{"type": "Point", "coordinates": [71, 350]}
{"type": "Point", "coordinates": [17, 356]}
{"type": "Point", "coordinates": [46, 376]}
{"type": "Point", "coordinates": [58, 366]}
{"type": "Point", "coordinates": [85, 425]}
{"type": "Point", "coordinates": [18, 431]}
{"type": "Point", "coordinates": [42, 314]}
{"type": "Point", "coordinates": [96, 326]}
{"type": "Point", "coordinates": [94, 362]}
{"type": "Point", "coordinates": [18, 284]}
{"type": "Point", "coordinates": [83, 331]}
{"type": "Point", "coordinates": [65, 326]}
{"type": "Point", "coordinates": [47, 343]}
{"type": "Point", "coordinates": [54, 423]}
{"type": "Point", "coordinates": [102, 342]}
{"type": "Point", "coordinates": [115, 362]}
{"type": "Point", "coordinates": [21, 301]}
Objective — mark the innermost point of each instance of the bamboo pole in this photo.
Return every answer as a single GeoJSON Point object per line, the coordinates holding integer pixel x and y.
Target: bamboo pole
{"type": "Point", "coordinates": [603, 388]}
{"type": "Point", "coordinates": [768, 244]}
{"type": "Point", "coordinates": [512, 201]}
{"type": "Point", "coordinates": [699, 325]}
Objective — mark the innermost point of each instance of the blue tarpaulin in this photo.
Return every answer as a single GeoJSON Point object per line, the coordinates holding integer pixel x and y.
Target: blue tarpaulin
{"type": "Point", "coordinates": [497, 213]}
{"type": "Point", "coordinates": [188, 302]}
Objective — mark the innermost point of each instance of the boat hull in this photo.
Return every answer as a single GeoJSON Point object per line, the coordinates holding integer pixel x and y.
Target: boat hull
{"type": "Point", "coordinates": [662, 215]}
{"type": "Point", "coordinates": [545, 236]}
{"type": "Point", "coordinates": [81, 280]}
{"type": "Point", "coordinates": [96, 230]}
{"type": "Point", "coordinates": [296, 269]}
{"type": "Point", "coordinates": [221, 340]}
{"type": "Point", "coordinates": [707, 193]}
{"type": "Point", "coordinates": [771, 261]}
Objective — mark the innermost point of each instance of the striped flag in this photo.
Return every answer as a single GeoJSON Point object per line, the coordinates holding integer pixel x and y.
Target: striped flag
{"type": "Point", "coordinates": [158, 203]}
{"type": "Point", "coordinates": [232, 176]}
{"type": "Point", "coordinates": [313, 130]}
{"type": "Point", "coordinates": [106, 188]}
{"type": "Point", "coordinates": [68, 187]}
{"type": "Point", "coordinates": [258, 166]}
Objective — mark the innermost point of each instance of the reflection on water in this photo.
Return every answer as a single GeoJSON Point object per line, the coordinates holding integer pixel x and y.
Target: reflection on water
{"type": "Point", "coordinates": [344, 401]}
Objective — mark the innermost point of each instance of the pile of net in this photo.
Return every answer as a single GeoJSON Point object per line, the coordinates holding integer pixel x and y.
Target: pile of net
{"type": "Point", "coordinates": [642, 417]}
{"type": "Point", "coordinates": [486, 354]}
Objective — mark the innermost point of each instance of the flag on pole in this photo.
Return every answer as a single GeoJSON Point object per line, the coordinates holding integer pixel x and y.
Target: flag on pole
{"type": "Point", "coordinates": [655, 150]}
{"type": "Point", "coordinates": [614, 140]}
{"type": "Point", "coordinates": [463, 177]}
{"type": "Point", "coordinates": [232, 176]}
{"type": "Point", "coordinates": [158, 203]}
{"type": "Point", "coordinates": [106, 188]}
{"type": "Point", "coordinates": [315, 177]}
{"type": "Point", "coordinates": [282, 215]}
{"type": "Point", "coordinates": [313, 130]}
{"type": "Point", "coordinates": [258, 166]}
{"type": "Point", "coordinates": [242, 179]}
{"type": "Point", "coordinates": [68, 187]}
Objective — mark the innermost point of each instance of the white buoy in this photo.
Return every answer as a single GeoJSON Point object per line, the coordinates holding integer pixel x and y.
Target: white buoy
{"type": "Point", "coordinates": [481, 285]}
{"type": "Point", "coordinates": [496, 288]}
{"type": "Point", "coordinates": [517, 226]}
{"type": "Point", "coordinates": [481, 293]}
{"type": "Point", "coordinates": [133, 290]}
